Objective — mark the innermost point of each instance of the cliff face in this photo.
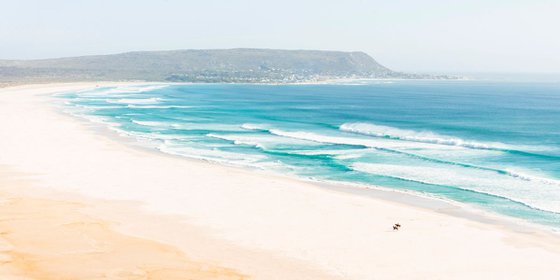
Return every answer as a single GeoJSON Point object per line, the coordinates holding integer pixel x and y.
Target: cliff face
{"type": "Point", "coordinates": [231, 65]}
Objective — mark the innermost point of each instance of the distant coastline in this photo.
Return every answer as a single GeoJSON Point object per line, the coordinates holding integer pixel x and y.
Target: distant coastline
{"type": "Point", "coordinates": [205, 66]}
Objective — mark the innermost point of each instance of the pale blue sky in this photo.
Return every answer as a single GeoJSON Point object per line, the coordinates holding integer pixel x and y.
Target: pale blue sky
{"type": "Point", "coordinates": [430, 35]}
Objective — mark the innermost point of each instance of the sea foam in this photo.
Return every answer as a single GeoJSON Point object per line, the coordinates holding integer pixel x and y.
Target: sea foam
{"type": "Point", "coordinates": [151, 100]}
{"type": "Point", "coordinates": [415, 136]}
{"type": "Point", "coordinates": [474, 180]}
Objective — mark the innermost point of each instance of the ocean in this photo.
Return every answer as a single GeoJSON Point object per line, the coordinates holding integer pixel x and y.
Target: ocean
{"type": "Point", "coordinates": [490, 144]}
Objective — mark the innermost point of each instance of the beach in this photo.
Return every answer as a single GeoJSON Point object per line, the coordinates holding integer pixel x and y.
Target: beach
{"type": "Point", "coordinates": [114, 201]}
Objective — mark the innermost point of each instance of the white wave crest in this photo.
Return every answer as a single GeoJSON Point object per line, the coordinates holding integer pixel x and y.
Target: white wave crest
{"type": "Point", "coordinates": [415, 136]}
{"type": "Point", "coordinates": [131, 89]}
{"type": "Point", "coordinates": [238, 140]}
{"type": "Point", "coordinates": [158, 106]}
{"type": "Point", "coordinates": [252, 126]}
{"type": "Point", "coordinates": [119, 91]}
{"type": "Point", "coordinates": [155, 124]}
{"type": "Point", "coordinates": [215, 155]}
{"type": "Point", "coordinates": [262, 141]}
{"type": "Point", "coordinates": [309, 136]}
{"type": "Point", "coordinates": [93, 107]}
{"type": "Point", "coordinates": [187, 126]}
{"type": "Point", "coordinates": [370, 143]}
{"type": "Point", "coordinates": [528, 177]}
{"type": "Point", "coordinates": [533, 193]}
{"type": "Point", "coordinates": [151, 100]}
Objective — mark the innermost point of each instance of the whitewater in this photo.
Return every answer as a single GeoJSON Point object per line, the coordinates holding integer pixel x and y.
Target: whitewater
{"type": "Point", "coordinates": [493, 145]}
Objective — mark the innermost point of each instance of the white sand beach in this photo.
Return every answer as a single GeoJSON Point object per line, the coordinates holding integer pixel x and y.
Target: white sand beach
{"type": "Point", "coordinates": [80, 202]}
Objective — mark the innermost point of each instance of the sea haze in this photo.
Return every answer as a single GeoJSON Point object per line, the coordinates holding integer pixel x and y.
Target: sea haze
{"type": "Point", "coordinates": [495, 145]}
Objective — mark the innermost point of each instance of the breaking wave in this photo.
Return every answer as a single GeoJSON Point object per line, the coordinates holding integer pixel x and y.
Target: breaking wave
{"type": "Point", "coordinates": [309, 136]}
{"type": "Point", "coordinates": [151, 100]}
{"type": "Point", "coordinates": [416, 136]}
{"type": "Point", "coordinates": [472, 180]}
{"type": "Point", "coordinates": [158, 106]}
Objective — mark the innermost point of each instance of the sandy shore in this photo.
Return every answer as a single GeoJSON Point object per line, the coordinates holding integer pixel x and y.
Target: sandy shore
{"type": "Point", "coordinates": [63, 179]}
{"type": "Point", "coordinates": [46, 237]}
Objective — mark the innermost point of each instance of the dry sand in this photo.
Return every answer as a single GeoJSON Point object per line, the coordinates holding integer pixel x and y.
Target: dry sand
{"type": "Point", "coordinates": [45, 238]}
{"type": "Point", "coordinates": [128, 212]}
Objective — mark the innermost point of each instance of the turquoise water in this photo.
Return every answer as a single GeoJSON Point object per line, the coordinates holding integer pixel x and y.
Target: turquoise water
{"type": "Point", "coordinates": [495, 145]}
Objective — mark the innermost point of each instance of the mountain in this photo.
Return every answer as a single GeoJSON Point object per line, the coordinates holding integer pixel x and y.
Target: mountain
{"type": "Point", "coordinates": [227, 65]}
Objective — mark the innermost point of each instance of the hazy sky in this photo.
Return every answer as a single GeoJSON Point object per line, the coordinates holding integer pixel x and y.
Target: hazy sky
{"type": "Point", "coordinates": [428, 35]}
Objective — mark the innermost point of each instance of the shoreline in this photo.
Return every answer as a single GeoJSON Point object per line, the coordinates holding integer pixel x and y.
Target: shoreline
{"type": "Point", "coordinates": [131, 219]}
{"type": "Point", "coordinates": [404, 197]}
{"type": "Point", "coordinates": [361, 225]}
